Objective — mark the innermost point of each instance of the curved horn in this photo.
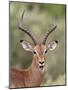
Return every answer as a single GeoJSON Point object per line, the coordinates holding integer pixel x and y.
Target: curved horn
{"type": "Point", "coordinates": [48, 33]}
{"type": "Point", "coordinates": [27, 32]}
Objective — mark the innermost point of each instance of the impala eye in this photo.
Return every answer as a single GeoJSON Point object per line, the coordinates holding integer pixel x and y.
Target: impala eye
{"type": "Point", "coordinates": [34, 52]}
{"type": "Point", "coordinates": [46, 51]}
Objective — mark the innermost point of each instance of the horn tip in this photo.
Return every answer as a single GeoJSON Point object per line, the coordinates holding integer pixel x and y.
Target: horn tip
{"type": "Point", "coordinates": [56, 41]}
{"type": "Point", "coordinates": [21, 41]}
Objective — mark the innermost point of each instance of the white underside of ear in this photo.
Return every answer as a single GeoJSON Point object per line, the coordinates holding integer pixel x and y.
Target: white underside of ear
{"type": "Point", "coordinates": [52, 45]}
{"type": "Point", "coordinates": [27, 46]}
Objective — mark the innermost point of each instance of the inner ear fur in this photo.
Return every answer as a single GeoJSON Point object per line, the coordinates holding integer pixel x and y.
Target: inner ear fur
{"type": "Point", "coordinates": [52, 45]}
{"type": "Point", "coordinates": [26, 45]}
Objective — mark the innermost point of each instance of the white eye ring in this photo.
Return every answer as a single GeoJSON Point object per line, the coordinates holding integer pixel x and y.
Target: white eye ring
{"type": "Point", "coordinates": [35, 52]}
{"type": "Point", "coordinates": [45, 51]}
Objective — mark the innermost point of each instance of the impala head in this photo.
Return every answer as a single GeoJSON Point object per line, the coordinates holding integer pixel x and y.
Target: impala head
{"type": "Point", "coordinates": [39, 50]}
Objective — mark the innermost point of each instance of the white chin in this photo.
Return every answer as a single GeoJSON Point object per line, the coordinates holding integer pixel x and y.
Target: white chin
{"type": "Point", "coordinates": [41, 68]}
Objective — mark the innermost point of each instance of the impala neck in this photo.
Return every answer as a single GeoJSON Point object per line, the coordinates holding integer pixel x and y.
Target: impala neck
{"type": "Point", "coordinates": [35, 75]}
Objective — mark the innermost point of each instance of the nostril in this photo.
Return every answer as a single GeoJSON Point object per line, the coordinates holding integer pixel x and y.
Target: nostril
{"type": "Point", "coordinates": [41, 62]}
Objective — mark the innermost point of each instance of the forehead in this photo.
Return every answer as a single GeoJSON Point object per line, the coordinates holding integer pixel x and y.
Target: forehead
{"type": "Point", "coordinates": [40, 47]}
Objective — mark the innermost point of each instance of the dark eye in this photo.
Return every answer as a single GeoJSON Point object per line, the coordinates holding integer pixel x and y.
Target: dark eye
{"type": "Point", "coordinates": [46, 51]}
{"type": "Point", "coordinates": [34, 52]}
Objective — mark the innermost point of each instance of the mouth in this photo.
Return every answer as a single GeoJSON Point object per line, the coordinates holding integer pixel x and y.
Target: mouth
{"type": "Point", "coordinates": [41, 67]}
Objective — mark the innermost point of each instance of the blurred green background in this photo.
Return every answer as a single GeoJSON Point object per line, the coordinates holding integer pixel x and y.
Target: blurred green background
{"type": "Point", "coordinates": [38, 18]}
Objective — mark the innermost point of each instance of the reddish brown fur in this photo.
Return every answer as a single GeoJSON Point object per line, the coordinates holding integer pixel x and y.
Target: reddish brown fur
{"type": "Point", "coordinates": [29, 77]}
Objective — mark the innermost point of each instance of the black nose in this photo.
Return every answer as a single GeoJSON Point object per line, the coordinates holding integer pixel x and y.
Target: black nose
{"type": "Point", "coordinates": [41, 62]}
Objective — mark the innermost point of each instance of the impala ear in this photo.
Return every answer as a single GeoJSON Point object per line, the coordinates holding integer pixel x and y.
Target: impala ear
{"type": "Point", "coordinates": [26, 46]}
{"type": "Point", "coordinates": [52, 45]}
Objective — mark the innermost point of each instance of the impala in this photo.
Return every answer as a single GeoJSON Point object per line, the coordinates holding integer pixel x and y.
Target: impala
{"type": "Point", "coordinates": [33, 75]}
